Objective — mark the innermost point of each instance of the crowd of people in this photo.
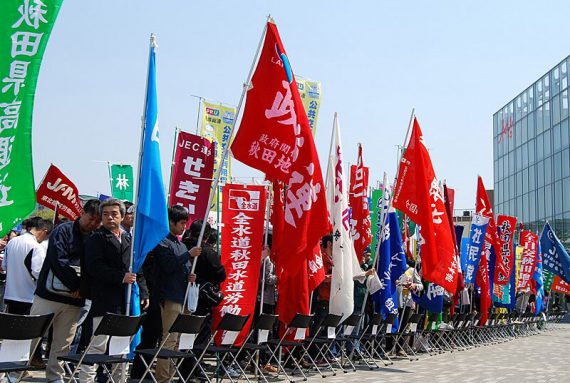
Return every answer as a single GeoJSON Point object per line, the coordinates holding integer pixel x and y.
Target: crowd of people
{"type": "Point", "coordinates": [78, 270]}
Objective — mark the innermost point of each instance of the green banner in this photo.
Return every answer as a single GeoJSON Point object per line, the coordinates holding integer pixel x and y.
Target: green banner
{"type": "Point", "coordinates": [548, 279]}
{"type": "Point", "coordinates": [376, 208]}
{"type": "Point", "coordinates": [25, 26]}
{"type": "Point", "coordinates": [122, 181]}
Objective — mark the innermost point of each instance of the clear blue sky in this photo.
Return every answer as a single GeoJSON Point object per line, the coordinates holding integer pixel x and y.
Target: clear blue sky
{"type": "Point", "coordinates": [456, 62]}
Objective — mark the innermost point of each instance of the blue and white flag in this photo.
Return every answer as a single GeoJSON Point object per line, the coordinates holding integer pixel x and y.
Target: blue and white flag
{"type": "Point", "coordinates": [538, 284]}
{"type": "Point", "coordinates": [476, 244]}
{"type": "Point", "coordinates": [151, 221]}
{"type": "Point", "coordinates": [554, 256]}
{"type": "Point", "coordinates": [391, 266]}
{"type": "Point", "coordinates": [432, 299]}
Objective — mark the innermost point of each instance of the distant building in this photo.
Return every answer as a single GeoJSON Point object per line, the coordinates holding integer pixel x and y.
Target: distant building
{"type": "Point", "coordinates": [531, 153]}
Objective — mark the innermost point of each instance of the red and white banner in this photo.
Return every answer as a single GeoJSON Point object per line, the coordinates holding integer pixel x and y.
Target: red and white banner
{"type": "Point", "coordinates": [242, 242]}
{"type": "Point", "coordinates": [529, 242]}
{"type": "Point", "coordinates": [506, 227]}
{"type": "Point", "coordinates": [192, 174]}
{"type": "Point", "coordinates": [417, 194]}
{"type": "Point", "coordinates": [58, 190]}
{"type": "Point", "coordinates": [560, 286]}
{"type": "Point", "coordinates": [360, 225]}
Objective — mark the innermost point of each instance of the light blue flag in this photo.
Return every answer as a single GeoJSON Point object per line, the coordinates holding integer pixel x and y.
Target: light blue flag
{"type": "Point", "coordinates": [151, 225]}
{"type": "Point", "coordinates": [476, 241]}
{"type": "Point", "coordinates": [554, 256]}
{"type": "Point", "coordinates": [538, 283]}
{"type": "Point", "coordinates": [391, 265]}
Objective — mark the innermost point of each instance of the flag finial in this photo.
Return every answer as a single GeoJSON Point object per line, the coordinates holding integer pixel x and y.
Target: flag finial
{"type": "Point", "coordinates": [153, 43]}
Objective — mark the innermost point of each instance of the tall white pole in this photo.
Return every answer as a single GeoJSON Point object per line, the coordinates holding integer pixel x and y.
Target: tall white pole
{"type": "Point", "coordinates": [266, 237]}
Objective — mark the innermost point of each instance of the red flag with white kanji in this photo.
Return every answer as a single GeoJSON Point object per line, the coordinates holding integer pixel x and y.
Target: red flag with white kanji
{"type": "Point", "coordinates": [417, 194]}
{"type": "Point", "coordinates": [360, 224]}
{"type": "Point", "coordinates": [483, 207]}
{"type": "Point", "coordinates": [275, 137]}
{"type": "Point", "coordinates": [449, 197]}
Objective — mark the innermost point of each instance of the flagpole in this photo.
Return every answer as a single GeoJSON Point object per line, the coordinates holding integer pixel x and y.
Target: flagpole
{"type": "Point", "coordinates": [110, 176]}
{"type": "Point", "coordinates": [200, 98]}
{"type": "Point", "coordinates": [136, 196]}
{"type": "Point", "coordinates": [226, 149]}
{"type": "Point", "coordinates": [266, 237]}
{"type": "Point", "coordinates": [335, 118]}
{"type": "Point", "coordinates": [176, 132]}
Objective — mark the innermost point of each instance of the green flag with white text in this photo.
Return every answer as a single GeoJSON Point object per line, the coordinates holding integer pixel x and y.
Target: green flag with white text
{"type": "Point", "coordinates": [25, 27]}
{"type": "Point", "coordinates": [122, 182]}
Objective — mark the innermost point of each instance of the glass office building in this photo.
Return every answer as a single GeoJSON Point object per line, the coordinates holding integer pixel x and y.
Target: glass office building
{"type": "Point", "coordinates": [531, 154]}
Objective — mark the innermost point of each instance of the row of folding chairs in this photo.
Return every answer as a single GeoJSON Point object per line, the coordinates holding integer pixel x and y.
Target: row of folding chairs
{"type": "Point", "coordinates": [336, 346]}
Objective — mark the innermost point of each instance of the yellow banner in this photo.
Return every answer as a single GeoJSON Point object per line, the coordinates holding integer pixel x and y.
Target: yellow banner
{"type": "Point", "coordinates": [518, 261]}
{"type": "Point", "coordinates": [310, 92]}
{"type": "Point", "coordinates": [216, 126]}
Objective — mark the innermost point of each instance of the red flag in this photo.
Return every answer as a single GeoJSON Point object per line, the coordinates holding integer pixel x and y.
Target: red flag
{"type": "Point", "coordinates": [449, 196]}
{"type": "Point", "coordinates": [560, 286]}
{"type": "Point", "coordinates": [242, 239]}
{"type": "Point", "coordinates": [275, 137]}
{"type": "Point", "coordinates": [506, 227]}
{"type": "Point", "coordinates": [358, 200]}
{"type": "Point", "coordinates": [192, 174]}
{"type": "Point", "coordinates": [58, 190]}
{"type": "Point", "coordinates": [316, 268]}
{"type": "Point", "coordinates": [417, 195]}
{"type": "Point", "coordinates": [483, 207]}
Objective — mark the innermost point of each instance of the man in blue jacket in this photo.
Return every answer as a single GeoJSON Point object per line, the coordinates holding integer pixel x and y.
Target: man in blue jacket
{"type": "Point", "coordinates": [60, 289]}
{"type": "Point", "coordinates": [172, 276]}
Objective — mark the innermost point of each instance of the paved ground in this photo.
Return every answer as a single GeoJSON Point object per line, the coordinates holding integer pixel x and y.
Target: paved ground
{"type": "Point", "coordinates": [543, 358]}
{"type": "Point", "coordinates": [540, 358]}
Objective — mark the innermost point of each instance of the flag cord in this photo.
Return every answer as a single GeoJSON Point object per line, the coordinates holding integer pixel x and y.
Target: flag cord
{"type": "Point", "coordinates": [136, 196]}
{"type": "Point", "coordinates": [226, 149]}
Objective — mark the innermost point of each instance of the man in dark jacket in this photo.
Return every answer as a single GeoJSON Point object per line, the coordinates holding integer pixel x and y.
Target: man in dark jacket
{"type": "Point", "coordinates": [107, 261]}
{"type": "Point", "coordinates": [62, 266]}
{"type": "Point", "coordinates": [172, 260]}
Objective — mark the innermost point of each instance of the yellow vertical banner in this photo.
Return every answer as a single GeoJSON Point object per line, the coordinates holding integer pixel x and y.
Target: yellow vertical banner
{"type": "Point", "coordinates": [216, 125]}
{"type": "Point", "coordinates": [310, 92]}
{"type": "Point", "coordinates": [518, 262]}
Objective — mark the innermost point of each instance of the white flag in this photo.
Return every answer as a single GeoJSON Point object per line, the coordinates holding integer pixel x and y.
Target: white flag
{"type": "Point", "coordinates": [345, 263]}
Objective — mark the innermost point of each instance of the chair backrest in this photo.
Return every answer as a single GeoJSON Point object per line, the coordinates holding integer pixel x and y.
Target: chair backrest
{"type": "Point", "coordinates": [300, 321]}
{"type": "Point", "coordinates": [118, 325]}
{"type": "Point", "coordinates": [23, 327]}
{"type": "Point", "coordinates": [265, 322]}
{"type": "Point", "coordinates": [415, 318]}
{"type": "Point", "coordinates": [232, 322]}
{"type": "Point", "coordinates": [390, 318]}
{"type": "Point", "coordinates": [331, 320]}
{"type": "Point", "coordinates": [376, 319]}
{"type": "Point", "coordinates": [187, 324]}
{"type": "Point", "coordinates": [352, 320]}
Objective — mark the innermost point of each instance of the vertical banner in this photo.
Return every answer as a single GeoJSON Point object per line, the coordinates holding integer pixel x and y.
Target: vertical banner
{"type": "Point", "coordinates": [25, 27]}
{"type": "Point", "coordinates": [58, 190]}
{"type": "Point", "coordinates": [121, 181]}
{"type": "Point", "coordinates": [242, 241]}
{"type": "Point", "coordinates": [192, 174]}
{"type": "Point", "coordinates": [216, 126]}
{"type": "Point", "coordinates": [375, 220]}
{"type": "Point", "coordinates": [529, 242]}
{"type": "Point", "coordinates": [310, 92]}
{"type": "Point", "coordinates": [358, 201]}
{"type": "Point", "coordinates": [476, 245]}
{"type": "Point", "coordinates": [506, 228]}
{"type": "Point", "coordinates": [548, 279]}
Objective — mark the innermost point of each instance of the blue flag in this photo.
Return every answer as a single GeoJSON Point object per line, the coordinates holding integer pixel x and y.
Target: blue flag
{"type": "Point", "coordinates": [431, 299]}
{"type": "Point", "coordinates": [151, 221]}
{"type": "Point", "coordinates": [391, 265]}
{"type": "Point", "coordinates": [554, 256]}
{"type": "Point", "coordinates": [151, 225]}
{"type": "Point", "coordinates": [475, 247]}
{"type": "Point", "coordinates": [538, 284]}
